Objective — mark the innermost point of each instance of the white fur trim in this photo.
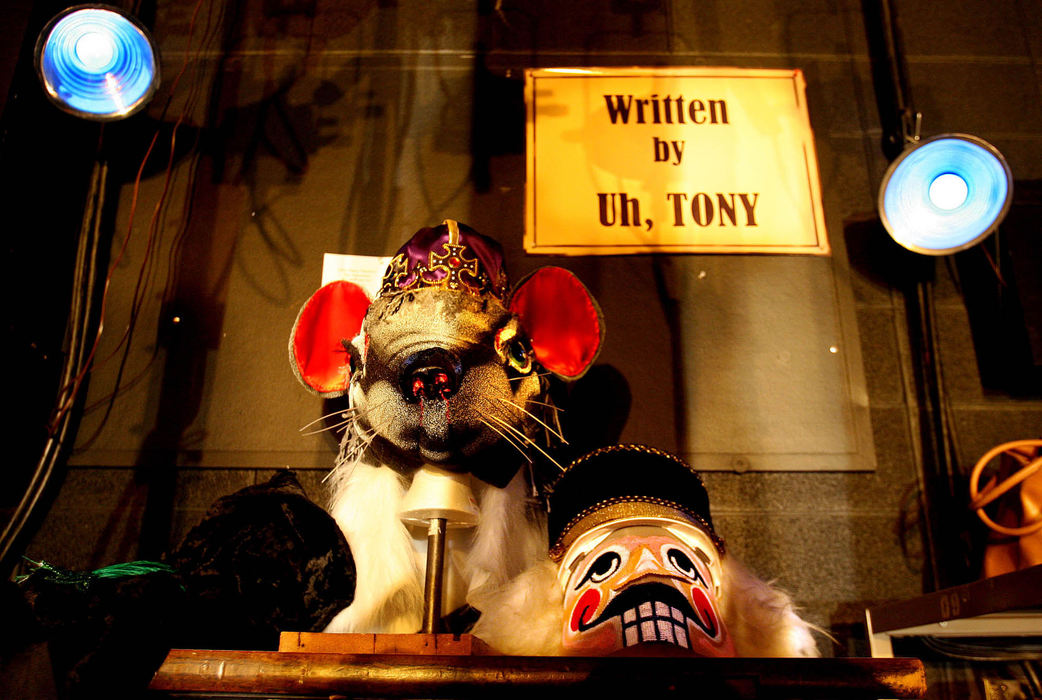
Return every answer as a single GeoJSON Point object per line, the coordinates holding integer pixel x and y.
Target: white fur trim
{"type": "Point", "coordinates": [510, 535]}
{"type": "Point", "coordinates": [389, 584]}
{"type": "Point", "coordinates": [761, 618]}
{"type": "Point", "coordinates": [523, 616]}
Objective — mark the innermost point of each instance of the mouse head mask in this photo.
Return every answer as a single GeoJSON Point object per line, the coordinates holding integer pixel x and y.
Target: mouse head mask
{"type": "Point", "coordinates": [446, 366]}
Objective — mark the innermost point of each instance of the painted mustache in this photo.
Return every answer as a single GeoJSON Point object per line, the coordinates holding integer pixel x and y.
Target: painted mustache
{"type": "Point", "coordinates": [654, 612]}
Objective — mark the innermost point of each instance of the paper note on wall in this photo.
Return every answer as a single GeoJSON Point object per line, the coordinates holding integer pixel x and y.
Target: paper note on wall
{"type": "Point", "coordinates": [364, 270]}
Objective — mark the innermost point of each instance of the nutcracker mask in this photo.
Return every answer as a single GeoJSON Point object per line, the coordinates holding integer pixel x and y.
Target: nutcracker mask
{"type": "Point", "coordinates": [640, 565]}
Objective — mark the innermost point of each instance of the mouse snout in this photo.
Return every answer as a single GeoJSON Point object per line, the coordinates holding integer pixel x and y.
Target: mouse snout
{"type": "Point", "coordinates": [430, 374]}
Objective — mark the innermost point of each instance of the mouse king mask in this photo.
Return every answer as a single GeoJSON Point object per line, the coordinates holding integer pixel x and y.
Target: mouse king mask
{"type": "Point", "coordinates": [640, 564]}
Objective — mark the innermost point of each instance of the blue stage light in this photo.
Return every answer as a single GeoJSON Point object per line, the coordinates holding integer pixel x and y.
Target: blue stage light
{"type": "Point", "coordinates": [945, 194]}
{"type": "Point", "coordinates": [97, 63]}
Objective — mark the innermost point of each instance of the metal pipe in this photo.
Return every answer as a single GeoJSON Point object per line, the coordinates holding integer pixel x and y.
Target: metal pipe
{"type": "Point", "coordinates": [200, 673]}
{"type": "Point", "coordinates": [432, 582]}
{"type": "Point", "coordinates": [938, 468]}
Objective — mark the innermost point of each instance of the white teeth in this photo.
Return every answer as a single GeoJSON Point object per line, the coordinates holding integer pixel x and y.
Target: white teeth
{"type": "Point", "coordinates": [631, 636]}
{"type": "Point", "coordinates": [682, 637]}
{"type": "Point", "coordinates": [656, 622]}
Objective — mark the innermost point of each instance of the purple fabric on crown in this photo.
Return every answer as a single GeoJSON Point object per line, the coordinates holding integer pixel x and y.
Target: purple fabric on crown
{"type": "Point", "coordinates": [490, 275]}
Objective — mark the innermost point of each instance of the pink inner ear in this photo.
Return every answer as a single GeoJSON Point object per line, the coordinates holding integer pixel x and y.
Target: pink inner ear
{"type": "Point", "coordinates": [562, 321]}
{"type": "Point", "coordinates": [333, 314]}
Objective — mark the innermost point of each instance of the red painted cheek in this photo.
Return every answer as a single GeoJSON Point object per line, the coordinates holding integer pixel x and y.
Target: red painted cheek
{"type": "Point", "coordinates": [584, 608]}
{"type": "Point", "coordinates": [705, 610]}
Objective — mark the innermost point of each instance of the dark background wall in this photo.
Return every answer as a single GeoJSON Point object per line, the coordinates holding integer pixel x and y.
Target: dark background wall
{"type": "Point", "coordinates": [302, 127]}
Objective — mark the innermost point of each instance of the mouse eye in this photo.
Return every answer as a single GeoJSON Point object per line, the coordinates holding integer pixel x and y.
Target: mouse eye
{"type": "Point", "coordinates": [514, 350]}
{"type": "Point", "coordinates": [519, 357]}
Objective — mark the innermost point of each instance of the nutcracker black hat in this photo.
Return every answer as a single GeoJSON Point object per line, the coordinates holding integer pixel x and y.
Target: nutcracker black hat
{"type": "Point", "coordinates": [625, 482]}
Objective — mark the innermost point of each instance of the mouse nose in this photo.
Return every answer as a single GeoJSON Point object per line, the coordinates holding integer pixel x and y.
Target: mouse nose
{"type": "Point", "coordinates": [430, 374]}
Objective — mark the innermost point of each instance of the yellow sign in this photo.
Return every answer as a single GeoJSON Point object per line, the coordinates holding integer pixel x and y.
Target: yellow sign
{"type": "Point", "coordinates": [670, 160]}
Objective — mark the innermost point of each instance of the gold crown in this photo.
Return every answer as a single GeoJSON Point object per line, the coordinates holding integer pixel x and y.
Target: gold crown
{"type": "Point", "coordinates": [456, 268]}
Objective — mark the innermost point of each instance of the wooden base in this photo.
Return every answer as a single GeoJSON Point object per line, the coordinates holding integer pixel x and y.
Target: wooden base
{"type": "Point", "coordinates": [416, 644]}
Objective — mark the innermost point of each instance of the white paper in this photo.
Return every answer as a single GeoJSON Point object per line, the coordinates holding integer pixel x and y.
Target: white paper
{"type": "Point", "coordinates": [364, 270]}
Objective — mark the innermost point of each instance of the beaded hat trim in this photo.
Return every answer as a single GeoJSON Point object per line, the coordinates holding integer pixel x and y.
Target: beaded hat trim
{"type": "Point", "coordinates": [622, 507]}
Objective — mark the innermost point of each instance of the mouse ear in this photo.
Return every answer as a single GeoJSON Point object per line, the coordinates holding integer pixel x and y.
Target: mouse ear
{"type": "Point", "coordinates": [327, 322]}
{"type": "Point", "coordinates": [562, 320]}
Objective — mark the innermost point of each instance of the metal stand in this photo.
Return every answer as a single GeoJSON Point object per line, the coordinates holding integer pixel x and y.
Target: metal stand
{"type": "Point", "coordinates": [435, 572]}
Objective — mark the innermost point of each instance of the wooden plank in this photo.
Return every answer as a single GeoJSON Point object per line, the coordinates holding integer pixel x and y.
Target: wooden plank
{"type": "Point", "coordinates": [302, 674]}
{"type": "Point", "coordinates": [359, 643]}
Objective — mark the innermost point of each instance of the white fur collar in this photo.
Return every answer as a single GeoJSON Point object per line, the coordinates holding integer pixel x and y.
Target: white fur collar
{"type": "Point", "coordinates": [389, 585]}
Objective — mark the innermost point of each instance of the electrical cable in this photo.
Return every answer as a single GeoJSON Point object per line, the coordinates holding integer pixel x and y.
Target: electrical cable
{"type": "Point", "coordinates": [936, 450]}
{"type": "Point", "coordinates": [80, 305]}
{"type": "Point", "coordinates": [144, 273]}
{"type": "Point", "coordinates": [78, 361]}
{"type": "Point", "coordinates": [121, 386]}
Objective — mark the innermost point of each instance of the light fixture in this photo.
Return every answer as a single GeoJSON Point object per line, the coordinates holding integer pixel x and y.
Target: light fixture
{"type": "Point", "coordinates": [945, 194]}
{"type": "Point", "coordinates": [97, 62]}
